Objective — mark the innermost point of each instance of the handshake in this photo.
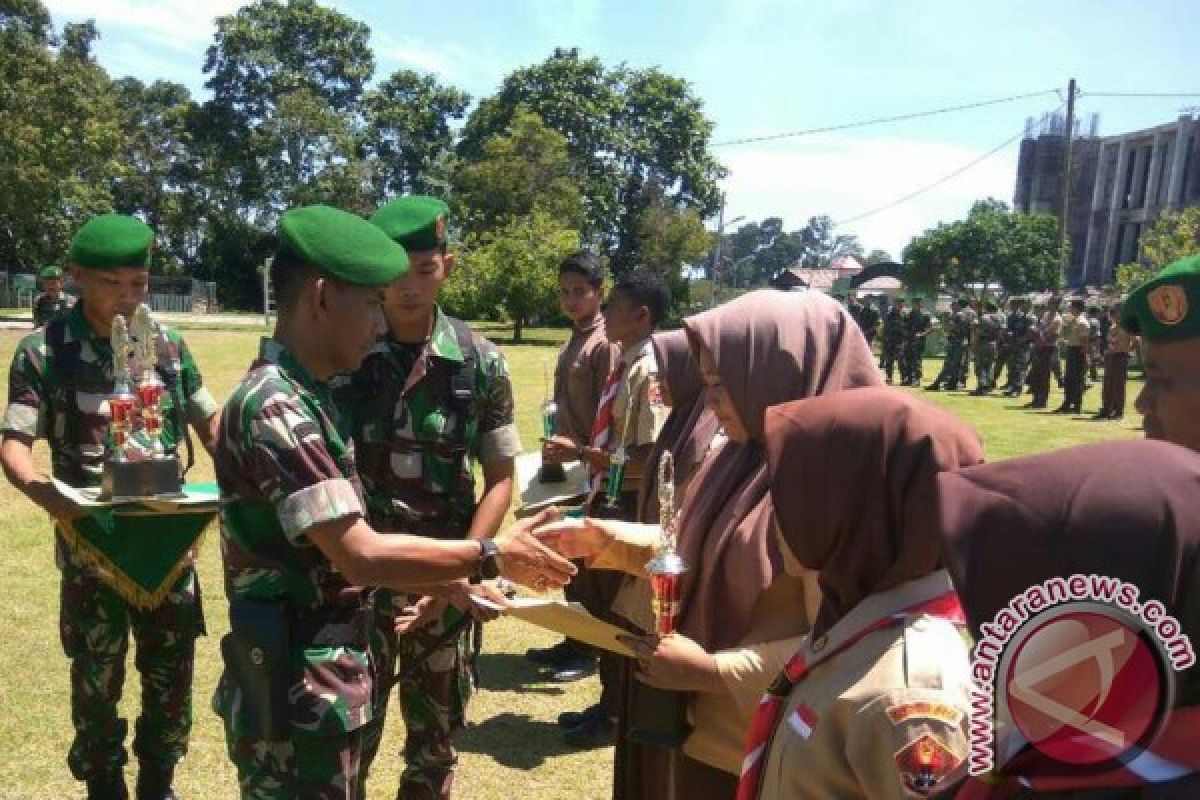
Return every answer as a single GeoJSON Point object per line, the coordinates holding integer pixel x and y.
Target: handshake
{"type": "Point", "coordinates": [535, 551]}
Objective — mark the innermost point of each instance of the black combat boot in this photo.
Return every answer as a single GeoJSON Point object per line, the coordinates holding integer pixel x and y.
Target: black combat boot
{"type": "Point", "coordinates": [154, 783]}
{"type": "Point", "coordinates": [109, 786]}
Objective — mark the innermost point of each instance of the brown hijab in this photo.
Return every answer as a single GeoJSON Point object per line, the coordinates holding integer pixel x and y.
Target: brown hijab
{"type": "Point", "coordinates": [690, 427]}
{"type": "Point", "coordinates": [1129, 510]}
{"type": "Point", "coordinates": [853, 481]}
{"type": "Point", "coordinates": [769, 347]}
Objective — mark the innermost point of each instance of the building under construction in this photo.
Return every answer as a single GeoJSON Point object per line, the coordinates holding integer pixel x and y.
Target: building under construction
{"type": "Point", "coordinates": [1119, 185]}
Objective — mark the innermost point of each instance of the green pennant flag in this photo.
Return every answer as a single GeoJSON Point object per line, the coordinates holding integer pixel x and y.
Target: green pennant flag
{"type": "Point", "coordinates": [139, 551]}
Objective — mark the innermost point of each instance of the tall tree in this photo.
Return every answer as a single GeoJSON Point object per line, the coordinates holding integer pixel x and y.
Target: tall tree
{"type": "Point", "coordinates": [992, 245]}
{"type": "Point", "coordinates": [60, 134]}
{"type": "Point", "coordinates": [408, 136]}
{"type": "Point", "coordinates": [623, 128]}
{"type": "Point", "coordinates": [671, 237]}
{"type": "Point", "coordinates": [820, 245]}
{"type": "Point", "coordinates": [877, 257]}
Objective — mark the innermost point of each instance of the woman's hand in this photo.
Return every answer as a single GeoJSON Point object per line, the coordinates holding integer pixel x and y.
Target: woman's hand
{"type": "Point", "coordinates": [575, 538]}
{"type": "Point", "coordinates": [674, 662]}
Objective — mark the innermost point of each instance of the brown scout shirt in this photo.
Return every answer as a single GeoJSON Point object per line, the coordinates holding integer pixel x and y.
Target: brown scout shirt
{"type": "Point", "coordinates": [866, 707]}
{"type": "Point", "coordinates": [583, 366]}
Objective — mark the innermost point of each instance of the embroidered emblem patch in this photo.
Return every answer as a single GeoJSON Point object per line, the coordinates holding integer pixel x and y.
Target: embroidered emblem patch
{"type": "Point", "coordinates": [924, 762]}
{"type": "Point", "coordinates": [1168, 304]}
{"type": "Point", "coordinates": [924, 710]}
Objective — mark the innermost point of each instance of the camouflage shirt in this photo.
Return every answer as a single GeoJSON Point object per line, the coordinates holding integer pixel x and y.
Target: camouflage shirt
{"type": "Point", "coordinates": [416, 443]}
{"type": "Point", "coordinates": [58, 389]}
{"type": "Point", "coordinates": [283, 467]}
{"type": "Point", "coordinates": [45, 308]}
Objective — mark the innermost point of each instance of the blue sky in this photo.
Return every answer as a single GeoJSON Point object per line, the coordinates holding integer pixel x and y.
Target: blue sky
{"type": "Point", "coordinates": [764, 67]}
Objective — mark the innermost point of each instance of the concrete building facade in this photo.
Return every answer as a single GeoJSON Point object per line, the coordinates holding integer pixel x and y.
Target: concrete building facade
{"type": "Point", "coordinates": [1119, 187]}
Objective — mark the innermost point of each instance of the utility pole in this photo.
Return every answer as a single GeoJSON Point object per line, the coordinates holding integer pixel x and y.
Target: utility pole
{"type": "Point", "coordinates": [1068, 134]}
{"type": "Point", "coordinates": [716, 255]}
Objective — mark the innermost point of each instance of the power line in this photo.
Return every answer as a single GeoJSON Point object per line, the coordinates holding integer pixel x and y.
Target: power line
{"type": "Point", "coordinates": [944, 179]}
{"type": "Point", "coordinates": [881, 120]}
{"type": "Point", "coordinates": [1139, 94]}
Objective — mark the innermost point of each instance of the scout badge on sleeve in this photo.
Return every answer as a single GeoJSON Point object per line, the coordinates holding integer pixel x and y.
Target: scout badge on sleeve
{"type": "Point", "coordinates": [667, 567]}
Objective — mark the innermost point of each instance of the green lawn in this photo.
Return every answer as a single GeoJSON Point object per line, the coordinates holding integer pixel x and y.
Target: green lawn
{"type": "Point", "coordinates": [511, 750]}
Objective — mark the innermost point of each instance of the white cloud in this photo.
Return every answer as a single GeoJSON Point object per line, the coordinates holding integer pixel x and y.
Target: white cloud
{"type": "Point", "coordinates": [180, 25]}
{"type": "Point", "coordinates": [845, 176]}
{"type": "Point", "coordinates": [438, 59]}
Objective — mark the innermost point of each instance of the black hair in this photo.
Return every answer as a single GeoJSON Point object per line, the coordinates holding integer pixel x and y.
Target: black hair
{"type": "Point", "coordinates": [647, 289]}
{"type": "Point", "coordinates": [1078, 304]}
{"type": "Point", "coordinates": [586, 264]}
{"type": "Point", "coordinates": [289, 275]}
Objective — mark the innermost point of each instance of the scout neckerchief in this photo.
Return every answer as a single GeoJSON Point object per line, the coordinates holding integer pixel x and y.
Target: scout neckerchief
{"type": "Point", "coordinates": [1174, 755]}
{"type": "Point", "coordinates": [770, 708]}
{"type": "Point", "coordinates": [602, 426]}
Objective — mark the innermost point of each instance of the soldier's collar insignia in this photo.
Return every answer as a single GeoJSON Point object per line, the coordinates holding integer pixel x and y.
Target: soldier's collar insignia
{"type": "Point", "coordinates": [1168, 304]}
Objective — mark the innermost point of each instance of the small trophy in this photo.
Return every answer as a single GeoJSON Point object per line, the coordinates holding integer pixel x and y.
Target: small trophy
{"type": "Point", "coordinates": [137, 464]}
{"type": "Point", "coordinates": [550, 473]}
{"type": "Point", "coordinates": [616, 464]}
{"type": "Point", "coordinates": [667, 567]}
{"type": "Point", "coordinates": [121, 403]}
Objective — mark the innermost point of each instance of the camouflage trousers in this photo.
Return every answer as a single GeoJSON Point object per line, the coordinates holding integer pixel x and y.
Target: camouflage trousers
{"type": "Point", "coordinates": [94, 624]}
{"type": "Point", "coordinates": [433, 700]}
{"type": "Point", "coordinates": [307, 766]}
{"type": "Point", "coordinates": [985, 367]}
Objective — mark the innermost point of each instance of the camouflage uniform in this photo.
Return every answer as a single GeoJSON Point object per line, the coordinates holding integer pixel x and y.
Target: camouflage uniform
{"type": "Point", "coordinates": [421, 415]}
{"type": "Point", "coordinates": [958, 337]}
{"type": "Point", "coordinates": [987, 348]}
{"type": "Point", "coordinates": [283, 467]}
{"type": "Point", "coordinates": [45, 308]}
{"type": "Point", "coordinates": [916, 328]}
{"type": "Point", "coordinates": [60, 379]}
{"type": "Point", "coordinates": [893, 342]}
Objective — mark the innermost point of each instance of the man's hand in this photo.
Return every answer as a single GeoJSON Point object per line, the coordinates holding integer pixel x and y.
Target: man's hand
{"type": "Point", "coordinates": [461, 594]}
{"type": "Point", "coordinates": [674, 662]}
{"type": "Point", "coordinates": [424, 612]}
{"type": "Point", "coordinates": [595, 458]}
{"type": "Point", "coordinates": [560, 450]}
{"type": "Point", "coordinates": [527, 561]}
{"type": "Point", "coordinates": [55, 503]}
{"type": "Point", "coordinates": [575, 538]}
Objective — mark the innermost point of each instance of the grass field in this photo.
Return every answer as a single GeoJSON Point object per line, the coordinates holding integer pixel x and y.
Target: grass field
{"type": "Point", "coordinates": [512, 748]}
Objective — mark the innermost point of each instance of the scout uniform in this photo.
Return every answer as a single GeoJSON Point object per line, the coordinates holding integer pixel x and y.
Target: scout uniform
{"type": "Point", "coordinates": [1077, 336]}
{"type": "Point", "coordinates": [893, 342]}
{"type": "Point", "coordinates": [1045, 351]}
{"type": "Point", "coordinates": [1120, 343]}
{"type": "Point", "coordinates": [46, 307]}
{"type": "Point", "coordinates": [583, 366]}
{"type": "Point", "coordinates": [422, 415]}
{"type": "Point", "coordinates": [59, 383]}
{"type": "Point", "coordinates": [877, 707]}
{"type": "Point", "coordinates": [987, 348]}
{"type": "Point", "coordinates": [297, 686]}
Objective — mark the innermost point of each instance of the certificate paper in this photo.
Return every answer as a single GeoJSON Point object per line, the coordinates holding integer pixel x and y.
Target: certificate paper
{"type": "Point", "coordinates": [569, 619]}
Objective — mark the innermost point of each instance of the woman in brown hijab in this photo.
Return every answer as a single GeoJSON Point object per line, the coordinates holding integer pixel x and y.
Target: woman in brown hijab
{"type": "Point", "coordinates": [873, 704]}
{"type": "Point", "coordinates": [740, 616]}
{"type": "Point", "coordinates": [1123, 510]}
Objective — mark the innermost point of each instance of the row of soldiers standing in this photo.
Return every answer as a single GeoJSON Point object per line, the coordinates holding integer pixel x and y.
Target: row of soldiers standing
{"type": "Point", "coordinates": [1023, 346]}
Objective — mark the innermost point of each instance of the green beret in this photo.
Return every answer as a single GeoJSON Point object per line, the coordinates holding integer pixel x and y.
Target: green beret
{"type": "Point", "coordinates": [49, 272]}
{"type": "Point", "coordinates": [342, 245]}
{"type": "Point", "coordinates": [1168, 305]}
{"type": "Point", "coordinates": [110, 241]}
{"type": "Point", "coordinates": [417, 222]}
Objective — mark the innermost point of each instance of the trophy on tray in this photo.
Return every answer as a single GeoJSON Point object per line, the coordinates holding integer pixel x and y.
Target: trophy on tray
{"type": "Point", "coordinates": [667, 568]}
{"type": "Point", "coordinates": [137, 464]}
{"type": "Point", "coordinates": [616, 465]}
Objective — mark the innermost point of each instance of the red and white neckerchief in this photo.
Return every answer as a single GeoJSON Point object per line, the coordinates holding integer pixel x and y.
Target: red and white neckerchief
{"type": "Point", "coordinates": [603, 424]}
{"type": "Point", "coordinates": [770, 708]}
{"type": "Point", "coordinates": [1175, 754]}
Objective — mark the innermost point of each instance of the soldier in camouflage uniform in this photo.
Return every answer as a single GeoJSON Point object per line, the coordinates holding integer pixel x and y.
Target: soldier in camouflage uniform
{"type": "Point", "coordinates": [51, 301]}
{"type": "Point", "coordinates": [431, 401]}
{"type": "Point", "coordinates": [59, 383]}
{"type": "Point", "coordinates": [892, 349]}
{"type": "Point", "coordinates": [987, 348]}
{"type": "Point", "coordinates": [298, 687]}
{"type": "Point", "coordinates": [958, 337]}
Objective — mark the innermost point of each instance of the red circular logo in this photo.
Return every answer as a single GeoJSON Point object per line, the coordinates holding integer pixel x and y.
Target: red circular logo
{"type": "Point", "coordinates": [1084, 687]}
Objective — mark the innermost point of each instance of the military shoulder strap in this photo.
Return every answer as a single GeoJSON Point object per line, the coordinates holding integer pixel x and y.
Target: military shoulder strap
{"type": "Point", "coordinates": [462, 379]}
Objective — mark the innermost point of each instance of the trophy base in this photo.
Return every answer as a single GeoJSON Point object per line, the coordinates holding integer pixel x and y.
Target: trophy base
{"type": "Point", "coordinates": [154, 476]}
{"type": "Point", "coordinates": [552, 473]}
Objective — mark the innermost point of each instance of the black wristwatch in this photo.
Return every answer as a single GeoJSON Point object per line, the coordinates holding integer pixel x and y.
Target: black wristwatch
{"type": "Point", "coordinates": [489, 559]}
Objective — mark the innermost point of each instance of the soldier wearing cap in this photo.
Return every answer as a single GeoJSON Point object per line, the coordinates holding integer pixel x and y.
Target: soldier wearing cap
{"type": "Point", "coordinates": [987, 347]}
{"type": "Point", "coordinates": [431, 401]}
{"type": "Point", "coordinates": [892, 349]}
{"type": "Point", "coordinates": [60, 378]}
{"type": "Point", "coordinates": [1076, 336]}
{"type": "Point", "coordinates": [1165, 313]}
{"type": "Point", "coordinates": [1045, 353]}
{"type": "Point", "coordinates": [917, 326]}
{"type": "Point", "coordinates": [298, 687]}
{"type": "Point", "coordinates": [958, 336]}
{"type": "Point", "coordinates": [1018, 335]}
{"type": "Point", "coordinates": [51, 301]}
